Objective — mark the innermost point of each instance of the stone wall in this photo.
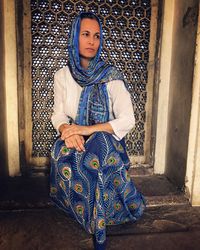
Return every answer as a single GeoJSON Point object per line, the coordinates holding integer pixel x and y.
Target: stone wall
{"type": "Point", "coordinates": [180, 92]}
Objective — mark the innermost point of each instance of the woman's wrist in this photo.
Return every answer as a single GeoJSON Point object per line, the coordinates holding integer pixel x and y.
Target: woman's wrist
{"type": "Point", "coordinates": [62, 127]}
{"type": "Point", "coordinates": [91, 129]}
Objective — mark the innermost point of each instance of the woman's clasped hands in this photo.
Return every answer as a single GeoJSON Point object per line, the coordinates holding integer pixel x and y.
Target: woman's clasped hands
{"type": "Point", "coordinates": [73, 135]}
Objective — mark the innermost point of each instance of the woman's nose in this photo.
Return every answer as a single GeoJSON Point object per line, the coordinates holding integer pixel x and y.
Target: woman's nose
{"type": "Point", "coordinates": [91, 40]}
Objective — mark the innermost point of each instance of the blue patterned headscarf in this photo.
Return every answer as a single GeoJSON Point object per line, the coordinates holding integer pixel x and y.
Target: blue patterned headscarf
{"type": "Point", "coordinates": [93, 105]}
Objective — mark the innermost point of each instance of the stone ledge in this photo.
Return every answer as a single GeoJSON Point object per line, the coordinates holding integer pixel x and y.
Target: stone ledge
{"type": "Point", "coordinates": [155, 201]}
{"type": "Point", "coordinates": [154, 220]}
{"type": "Point", "coordinates": [28, 193]}
{"type": "Point", "coordinates": [180, 218]}
{"type": "Point", "coordinates": [167, 200]}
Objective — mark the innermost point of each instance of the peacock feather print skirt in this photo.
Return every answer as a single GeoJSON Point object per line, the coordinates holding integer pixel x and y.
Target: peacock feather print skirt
{"type": "Point", "coordinates": [94, 186]}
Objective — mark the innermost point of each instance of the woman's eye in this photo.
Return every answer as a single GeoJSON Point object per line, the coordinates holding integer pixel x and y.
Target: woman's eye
{"type": "Point", "coordinates": [97, 36]}
{"type": "Point", "coordinates": [85, 34]}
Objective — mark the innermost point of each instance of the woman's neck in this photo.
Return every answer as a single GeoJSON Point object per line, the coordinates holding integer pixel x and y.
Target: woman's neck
{"type": "Point", "coordinates": [84, 62]}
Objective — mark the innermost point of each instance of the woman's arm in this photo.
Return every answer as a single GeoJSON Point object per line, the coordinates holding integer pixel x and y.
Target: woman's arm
{"type": "Point", "coordinates": [59, 116]}
{"type": "Point", "coordinates": [69, 130]}
{"type": "Point", "coordinates": [122, 109]}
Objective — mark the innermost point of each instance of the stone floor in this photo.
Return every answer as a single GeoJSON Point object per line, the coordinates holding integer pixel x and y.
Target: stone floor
{"type": "Point", "coordinates": [28, 220]}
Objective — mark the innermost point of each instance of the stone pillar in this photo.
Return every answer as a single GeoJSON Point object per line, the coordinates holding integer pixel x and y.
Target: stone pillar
{"type": "Point", "coordinates": [3, 147]}
{"type": "Point", "coordinates": [164, 85]}
{"type": "Point", "coordinates": [10, 83]}
{"type": "Point", "coordinates": [175, 88]}
{"type": "Point", "coordinates": [181, 85]}
{"type": "Point", "coordinates": [193, 158]}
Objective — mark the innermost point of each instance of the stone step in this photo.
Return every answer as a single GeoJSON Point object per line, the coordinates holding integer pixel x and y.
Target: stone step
{"type": "Point", "coordinates": [141, 170]}
{"type": "Point", "coordinates": [178, 218]}
{"type": "Point", "coordinates": [26, 203]}
{"type": "Point", "coordinates": [27, 193]}
{"type": "Point", "coordinates": [166, 200]}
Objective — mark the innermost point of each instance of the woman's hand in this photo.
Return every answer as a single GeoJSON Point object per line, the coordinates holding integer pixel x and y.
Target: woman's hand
{"type": "Point", "coordinates": [71, 137]}
{"type": "Point", "coordinates": [73, 134]}
{"type": "Point", "coordinates": [74, 129]}
{"type": "Point", "coordinates": [75, 141]}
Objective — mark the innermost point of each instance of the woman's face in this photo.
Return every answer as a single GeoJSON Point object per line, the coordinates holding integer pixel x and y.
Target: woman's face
{"type": "Point", "coordinates": [89, 38]}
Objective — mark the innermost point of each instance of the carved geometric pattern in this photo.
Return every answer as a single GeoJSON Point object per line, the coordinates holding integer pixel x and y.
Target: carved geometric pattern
{"type": "Point", "coordinates": [126, 30]}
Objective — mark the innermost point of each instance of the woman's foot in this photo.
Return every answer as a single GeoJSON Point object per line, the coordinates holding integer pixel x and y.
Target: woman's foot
{"type": "Point", "coordinates": [97, 245]}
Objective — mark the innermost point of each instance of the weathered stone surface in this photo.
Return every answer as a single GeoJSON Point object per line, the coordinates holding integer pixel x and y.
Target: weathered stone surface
{"type": "Point", "coordinates": [51, 229]}
{"type": "Point", "coordinates": [31, 221]}
{"type": "Point", "coordinates": [161, 220]}
{"type": "Point", "coordinates": [162, 241]}
{"type": "Point", "coordinates": [155, 185]}
{"type": "Point", "coordinates": [166, 200]}
{"type": "Point", "coordinates": [167, 225]}
{"type": "Point", "coordinates": [140, 170]}
{"type": "Point", "coordinates": [39, 229]}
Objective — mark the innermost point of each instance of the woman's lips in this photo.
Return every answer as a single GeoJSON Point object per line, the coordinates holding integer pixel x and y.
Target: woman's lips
{"type": "Point", "coordinates": [90, 49]}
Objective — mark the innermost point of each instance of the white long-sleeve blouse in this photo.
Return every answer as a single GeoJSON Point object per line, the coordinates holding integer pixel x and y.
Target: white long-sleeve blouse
{"type": "Point", "coordinates": [66, 99]}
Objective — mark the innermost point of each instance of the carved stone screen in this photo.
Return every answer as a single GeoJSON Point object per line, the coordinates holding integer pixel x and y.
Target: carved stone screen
{"type": "Point", "coordinates": [126, 28]}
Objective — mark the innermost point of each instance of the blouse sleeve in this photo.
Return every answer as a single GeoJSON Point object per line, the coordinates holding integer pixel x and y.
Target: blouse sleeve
{"type": "Point", "coordinates": [122, 109]}
{"type": "Point", "coordinates": [59, 115]}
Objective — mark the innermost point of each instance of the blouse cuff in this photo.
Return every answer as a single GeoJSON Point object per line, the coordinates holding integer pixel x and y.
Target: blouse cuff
{"type": "Point", "coordinates": [117, 133]}
{"type": "Point", "coordinates": [58, 123]}
{"type": "Point", "coordinates": [119, 130]}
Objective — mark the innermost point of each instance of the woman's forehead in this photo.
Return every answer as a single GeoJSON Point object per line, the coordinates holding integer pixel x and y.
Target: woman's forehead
{"type": "Point", "coordinates": [90, 25]}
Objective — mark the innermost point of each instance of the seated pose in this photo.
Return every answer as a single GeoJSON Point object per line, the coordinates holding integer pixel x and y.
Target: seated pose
{"type": "Point", "coordinates": [92, 114]}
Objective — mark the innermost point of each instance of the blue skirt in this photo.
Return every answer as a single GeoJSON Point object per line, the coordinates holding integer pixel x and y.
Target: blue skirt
{"type": "Point", "coordinates": [94, 186]}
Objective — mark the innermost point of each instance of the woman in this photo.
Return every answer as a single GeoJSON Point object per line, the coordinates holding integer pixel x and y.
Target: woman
{"type": "Point", "coordinates": [92, 113]}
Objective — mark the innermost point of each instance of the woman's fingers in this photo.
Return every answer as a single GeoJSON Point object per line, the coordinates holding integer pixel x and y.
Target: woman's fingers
{"type": "Point", "coordinates": [80, 142]}
{"type": "Point", "coordinates": [68, 143]}
{"type": "Point", "coordinates": [76, 142]}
